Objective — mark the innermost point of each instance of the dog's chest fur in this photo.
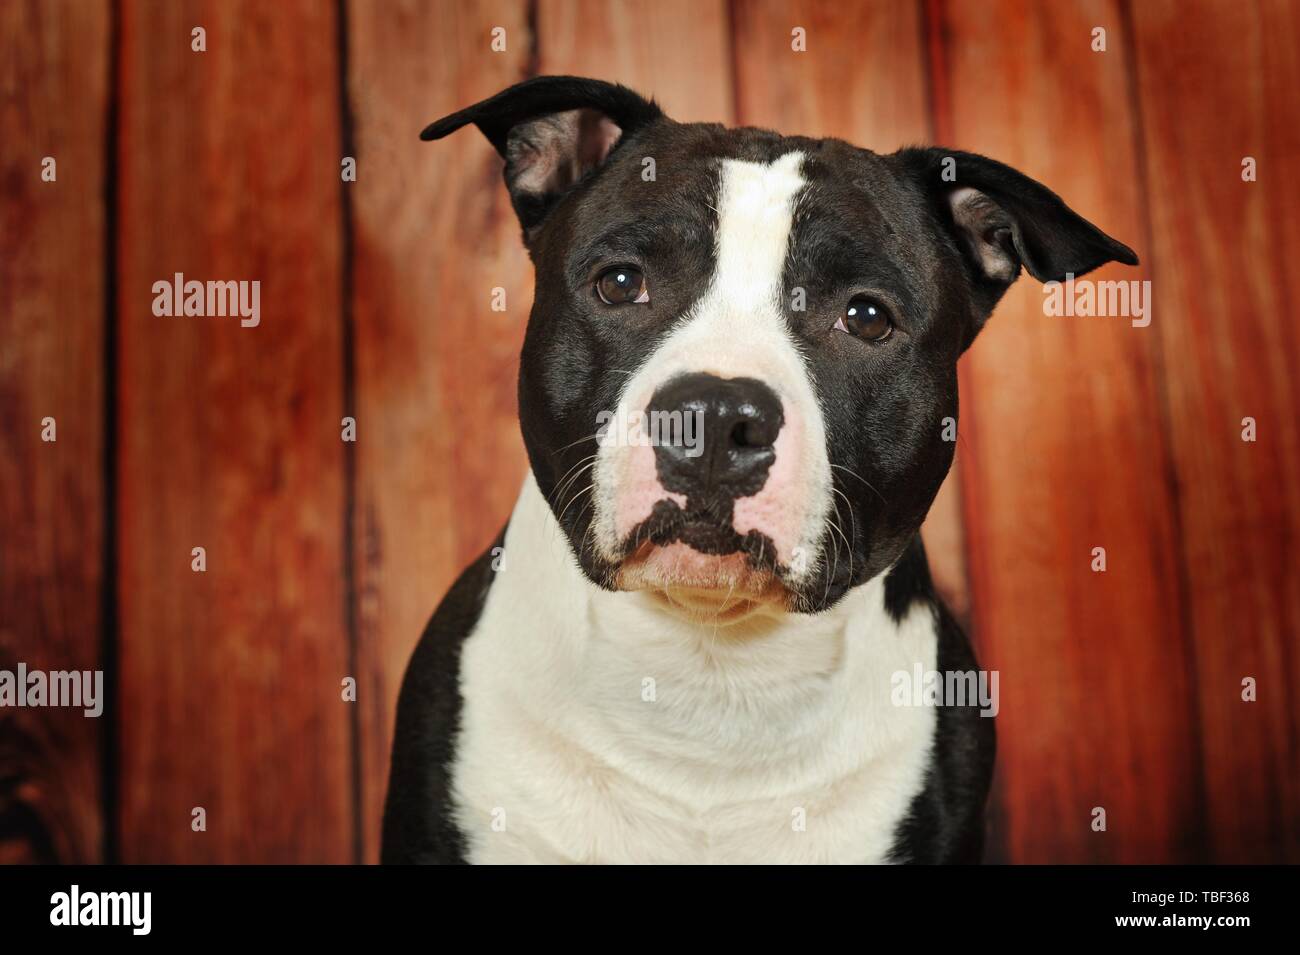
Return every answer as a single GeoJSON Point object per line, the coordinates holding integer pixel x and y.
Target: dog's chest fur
{"type": "Point", "coordinates": [597, 728]}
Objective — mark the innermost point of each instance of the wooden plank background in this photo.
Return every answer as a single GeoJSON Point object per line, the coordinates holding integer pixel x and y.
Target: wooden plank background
{"type": "Point", "coordinates": [1224, 254]}
{"type": "Point", "coordinates": [229, 439]}
{"type": "Point", "coordinates": [1120, 690]}
{"type": "Point", "coordinates": [54, 102]}
{"type": "Point", "coordinates": [1071, 644]}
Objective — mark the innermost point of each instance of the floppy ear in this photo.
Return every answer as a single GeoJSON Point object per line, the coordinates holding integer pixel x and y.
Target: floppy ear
{"type": "Point", "coordinates": [1002, 220]}
{"type": "Point", "coordinates": [552, 131]}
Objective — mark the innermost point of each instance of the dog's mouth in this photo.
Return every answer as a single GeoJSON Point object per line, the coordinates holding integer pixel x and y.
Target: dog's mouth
{"type": "Point", "coordinates": [696, 560]}
{"type": "Point", "coordinates": [705, 527]}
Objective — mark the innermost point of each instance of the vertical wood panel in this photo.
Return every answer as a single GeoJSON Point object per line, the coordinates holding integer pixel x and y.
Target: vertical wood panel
{"type": "Point", "coordinates": [1219, 82]}
{"type": "Point", "coordinates": [53, 102]}
{"type": "Point", "coordinates": [862, 77]}
{"type": "Point", "coordinates": [439, 457]}
{"type": "Point", "coordinates": [676, 51]}
{"type": "Point", "coordinates": [229, 439]}
{"type": "Point", "coordinates": [1066, 452]}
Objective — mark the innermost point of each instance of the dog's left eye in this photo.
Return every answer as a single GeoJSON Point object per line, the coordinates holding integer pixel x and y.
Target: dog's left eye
{"type": "Point", "coordinates": [866, 318]}
{"type": "Point", "coordinates": [622, 285]}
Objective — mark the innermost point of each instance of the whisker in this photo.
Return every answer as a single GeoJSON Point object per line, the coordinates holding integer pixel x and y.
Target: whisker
{"type": "Point", "coordinates": [853, 525]}
{"type": "Point", "coordinates": [572, 499]}
{"type": "Point", "coordinates": [835, 526]}
{"type": "Point", "coordinates": [560, 488]}
{"type": "Point", "coordinates": [589, 535]}
{"type": "Point", "coordinates": [863, 480]}
{"type": "Point", "coordinates": [590, 437]}
{"type": "Point", "coordinates": [835, 559]}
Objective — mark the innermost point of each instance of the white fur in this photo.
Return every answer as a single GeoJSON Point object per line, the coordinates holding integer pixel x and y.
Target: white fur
{"type": "Point", "coordinates": [738, 329]}
{"type": "Point", "coordinates": [561, 758]}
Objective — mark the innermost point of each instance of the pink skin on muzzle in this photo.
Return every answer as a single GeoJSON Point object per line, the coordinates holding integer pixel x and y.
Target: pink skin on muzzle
{"type": "Point", "coordinates": [773, 511]}
{"type": "Point", "coordinates": [639, 490]}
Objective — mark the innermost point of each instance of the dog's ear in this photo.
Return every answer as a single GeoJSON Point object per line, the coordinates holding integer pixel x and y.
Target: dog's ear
{"type": "Point", "coordinates": [552, 131]}
{"type": "Point", "coordinates": [1002, 220]}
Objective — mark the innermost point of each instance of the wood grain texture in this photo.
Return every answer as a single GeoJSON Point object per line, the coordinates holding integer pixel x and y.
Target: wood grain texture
{"type": "Point", "coordinates": [53, 102]}
{"type": "Point", "coordinates": [1120, 690]}
{"type": "Point", "coordinates": [1217, 83]}
{"type": "Point", "coordinates": [861, 75]}
{"type": "Point", "coordinates": [880, 104]}
{"type": "Point", "coordinates": [676, 51]}
{"type": "Point", "coordinates": [439, 456]}
{"type": "Point", "coordinates": [1066, 452]}
{"type": "Point", "coordinates": [229, 439]}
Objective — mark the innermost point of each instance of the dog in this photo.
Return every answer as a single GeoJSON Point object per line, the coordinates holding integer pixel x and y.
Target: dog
{"type": "Point", "coordinates": [681, 650]}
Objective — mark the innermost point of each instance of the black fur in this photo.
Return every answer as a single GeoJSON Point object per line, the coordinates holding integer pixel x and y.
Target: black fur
{"type": "Point", "coordinates": [945, 823]}
{"type": "Point", "coordinates": [417, 823]}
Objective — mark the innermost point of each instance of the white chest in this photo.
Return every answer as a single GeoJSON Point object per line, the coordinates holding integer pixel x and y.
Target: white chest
{"type": "Point", "coordinates": [597, 729]}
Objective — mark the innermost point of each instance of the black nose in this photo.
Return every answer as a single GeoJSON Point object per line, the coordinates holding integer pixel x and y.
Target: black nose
{"type": "Point", "coordinates": [723, 439]}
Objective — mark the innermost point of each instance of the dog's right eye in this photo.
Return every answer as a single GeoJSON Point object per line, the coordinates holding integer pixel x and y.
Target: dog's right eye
{"type": "Point", "coordinates": [622, 285]}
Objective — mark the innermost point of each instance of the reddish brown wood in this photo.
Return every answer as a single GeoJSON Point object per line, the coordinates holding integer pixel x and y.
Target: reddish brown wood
{"type": "Point", "coordinates": [53, 102]}
{"type": "Point", "coordinates": [229, 439]}
{"type": "Point", "coordinates": [439, 457]}
{"type": "Point", "coordinates": [861, 74]}
{"type": "Point", "coordinates": [1217, 83]}
{"type": "Point", "coordinates": [1066, 452]}
{"type": "Point", "coordinates": [676, 51]}
{"type": "Point", "coordinates": [1119, 690]}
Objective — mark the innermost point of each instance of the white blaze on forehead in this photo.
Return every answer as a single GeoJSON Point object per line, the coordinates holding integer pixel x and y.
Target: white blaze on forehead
{"type": "Point", "coordinates": [755, 212]}
{"type": "Point", "coordinates": [737, 329]}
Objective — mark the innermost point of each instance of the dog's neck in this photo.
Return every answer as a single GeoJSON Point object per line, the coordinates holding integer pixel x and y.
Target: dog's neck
{"type": "Point", "coordinates": [647, 632]}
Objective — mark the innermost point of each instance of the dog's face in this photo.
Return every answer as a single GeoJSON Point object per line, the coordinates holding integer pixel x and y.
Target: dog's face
{"type": "Point", "coordinates": [738, 383]}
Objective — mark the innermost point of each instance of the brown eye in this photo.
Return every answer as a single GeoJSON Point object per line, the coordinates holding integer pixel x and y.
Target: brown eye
{"type": "Point", "coordinates": [866, 318]}
{"type": "Point", "coordinates": [622, 285]}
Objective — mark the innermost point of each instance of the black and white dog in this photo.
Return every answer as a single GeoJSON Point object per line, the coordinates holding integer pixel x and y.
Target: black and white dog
{"type": "Point", "coordinates": [682, 650]}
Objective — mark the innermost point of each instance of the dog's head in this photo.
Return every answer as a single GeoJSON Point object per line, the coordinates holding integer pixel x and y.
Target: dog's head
{"type": "Point", "coordinates": [739, 377]}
